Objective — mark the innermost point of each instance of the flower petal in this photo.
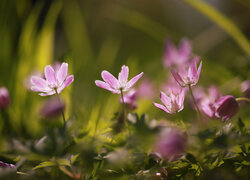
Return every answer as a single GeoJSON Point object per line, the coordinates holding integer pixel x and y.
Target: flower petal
{"type": "Point", "coordinates": [123, 75]}
{"type": "Point", "coordinates": [39, 84]}
{"type": "Point", "coordinates": [207, 110]}
{"type": "Point", "coordinates": [62, 73]}
{"type": "Point", "coordinates": [165, 100]}
{"type": "Point", "coordinates": [48, 93]}
{"type": "Point", "coordinates": [192, 72]}
{"type": "Point", "coordinates": [50, 75]}
{"type": "Point", "coordinates": [106, 86]}
{"type": "Point", "coordinates": [170, 53]}
{"type": "Point", "coordinates": [199, 70]}
{"type": "Point", "coordinates": [181, 98]}
{"type": "Point", "coordinates": [160, 106]}
{"type": "Point", "coordinates": [185, 48]}
{"type": "Point", "coordinates": [132, 82]}
{"type": "Point", "coordinates": [67, 82]}
{"type": "Point", "coordinates": [110, 79]}
{"type": "Point", "coordinates": [178, 78]}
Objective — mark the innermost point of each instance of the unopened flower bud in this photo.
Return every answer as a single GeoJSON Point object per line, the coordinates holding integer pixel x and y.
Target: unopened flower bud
{"type": "Point", "coordinates": [52, 108]}
{"type": "Point", "coordinates": [171, 144]}
{"type": "Point", "coordinates": [4, 98]}
{"type": "Point", "coordinates": [130, 99]}
{"type": "Point", "coordinates": [6, 165]}
{"type": "Point", "coordinates": [226, 107]}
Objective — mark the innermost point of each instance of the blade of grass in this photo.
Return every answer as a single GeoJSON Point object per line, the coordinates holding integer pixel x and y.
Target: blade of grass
{"type": "Point", "coordinates": [225, 23]}
{"type": "Point", "coordinates": [141, 22]}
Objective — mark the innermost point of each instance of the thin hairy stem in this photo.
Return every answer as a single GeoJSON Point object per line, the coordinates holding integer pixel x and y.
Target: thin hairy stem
{"type": "Point", "coordinates": [124, 111]}
{"type": "Point", "coordinates": [195, 103]}
{"type": "Point", "coordinates": [63, 116]}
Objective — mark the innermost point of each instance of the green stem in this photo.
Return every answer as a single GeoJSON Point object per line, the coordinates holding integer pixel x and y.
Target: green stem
{"type": "Point", "coordinates": [243, 99]}
{"type": "Point", "coordinates": [195, 103]}
{"type": "Point", "coordinates": [123, 105]}
{"type": "Point", "coordinates": [124, 110]}
{"type": "Point", "coordinates": [63, 116]}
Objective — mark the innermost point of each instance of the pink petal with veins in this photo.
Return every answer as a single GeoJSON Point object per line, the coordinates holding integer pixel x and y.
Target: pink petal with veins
{"type": "Point", "coordinates": [165, 100]}
{"type": "Point", "coordinates": [67, 82]}
{"type": "Point", "coordinates": [123, 75]}
{"type": "Point", "coordinates": [161, 107]}
{"type": "Point", "coordinates": [39, 84]}
{"type": "Point", "coordinates": [132, 82]}
{"type": "Point", "coordinates": [110, 79]}
{"type": "Point", "coordinates": [48, 93]}
{"type": "Point", "coordinates": [50, 75]}
{"type": "Point", "coordinates": [106, 86]}
{"type": "Point", "coordinates": [62, 73]}
{"type": "Point", "coordinates": [178, 78]}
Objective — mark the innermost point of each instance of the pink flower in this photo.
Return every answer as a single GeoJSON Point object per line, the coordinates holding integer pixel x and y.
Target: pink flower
{"type": "Point", "coordinates": [4, 98]}
{"type": "Point", "coordinates": [226, 107]}
{"type": "Point", "coordinates": [170, 144]}
{"type": "Point", "coordinates": [177, 57]}
{"type": "Point", "coordinates": [188, 76]}
{"type": "Point", "coordinates": [172, 86]}
{"type": "Point", "coordinates": [207, 102]}
{"type": "Point", "coordinates": [245, 88]}
{"type": "Point", "coordinates": [146, 89]}
{"type": "Point", "coordinates": [54, 82]}
{"type": "Point", "coordinates": [114, 85]}
{"type": "Point", "coordinates": [172, 103]}
{"type": "Point", "coordinates": [130, 99]}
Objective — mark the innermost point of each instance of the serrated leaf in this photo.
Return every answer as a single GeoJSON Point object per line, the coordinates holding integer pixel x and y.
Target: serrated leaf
{"type": "Point", "coordinates": [63, 162]}
{"type": "Point", "coordinates": [45, 164]}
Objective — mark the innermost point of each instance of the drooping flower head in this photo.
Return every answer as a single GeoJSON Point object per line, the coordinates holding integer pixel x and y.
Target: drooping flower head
{"type": "Point", "coordinates": [54, 82]}
{"type": "Point", "coordinates": [172, 103]}
{"type": "Point", "coordinates": [170, 144]}
{"type": "Point", "coordinates": [4, 98]}
{"type": "Point", "coordinates": [189, 75]}
{"type": "Point", "coordinates": [177, 57]}
{"type": "Point", "coordinates": [226, 107]}
{"type": "Point", "coordinates": [114, 85]}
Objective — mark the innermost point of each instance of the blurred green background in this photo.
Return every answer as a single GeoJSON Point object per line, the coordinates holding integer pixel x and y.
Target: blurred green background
{"type": "Point", "coordinates": [93, 35]}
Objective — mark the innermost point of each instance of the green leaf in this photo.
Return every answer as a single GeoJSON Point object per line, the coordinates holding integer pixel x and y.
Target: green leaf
{"type": "Point", "coordinates": [63, 162]}
{"type": "Point", "coordinates": [225, 23]}
{"type": "Point", "coordinates": [45, 164]}
{"type": "Point", "coordinates": [242, 127]}
{"type": "Point", "coordinates": [191, 158]}
{"type": "Point", "coordinates": [73, 158]}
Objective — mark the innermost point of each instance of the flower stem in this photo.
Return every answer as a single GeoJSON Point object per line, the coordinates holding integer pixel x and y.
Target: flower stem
{"type": "Point", "coordinates": [195, 103]}
{"type": "Point", "coordinates": [124, 111]}
{"type": "Point", "coordinates": [123, 105]}
{"type": "Point", "coordinates": [243, 99]}
{"type": "Point", "coordinates": [63, 116]}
